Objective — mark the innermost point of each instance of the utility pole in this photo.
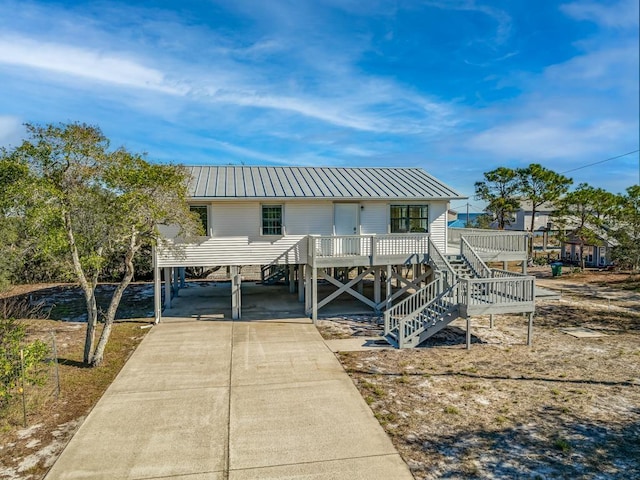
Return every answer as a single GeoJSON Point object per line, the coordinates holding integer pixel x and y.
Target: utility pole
{"type": "Point", "coordinates": [467, 223]}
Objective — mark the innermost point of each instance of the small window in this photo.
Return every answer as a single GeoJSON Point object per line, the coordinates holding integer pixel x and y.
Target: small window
{"type": "Point", "coordinates": [409, 218]}
{"type": "Point", "coordinates": [271, 219]}
{"type": "Point", "coordinates": [201, 211]}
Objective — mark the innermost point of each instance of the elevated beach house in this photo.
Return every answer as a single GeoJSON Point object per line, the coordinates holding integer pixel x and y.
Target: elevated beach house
{"type": "Point", "coordinates": [347, 227]}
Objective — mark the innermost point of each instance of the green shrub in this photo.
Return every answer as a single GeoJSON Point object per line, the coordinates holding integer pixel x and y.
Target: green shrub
{"type": "Point", "coordinates": [12, 340]}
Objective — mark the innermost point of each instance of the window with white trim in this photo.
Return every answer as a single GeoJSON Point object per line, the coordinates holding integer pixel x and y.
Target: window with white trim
{"type": "Point", "coordinates": [409, 218]}
{"type": "Point", "coordinates": [203, 213]}
{"type": "Point", "coordinates": [272, 220]}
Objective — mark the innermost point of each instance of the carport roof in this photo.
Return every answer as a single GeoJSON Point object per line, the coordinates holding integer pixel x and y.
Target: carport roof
{"type": "Point", "coordinates": [229, 182]}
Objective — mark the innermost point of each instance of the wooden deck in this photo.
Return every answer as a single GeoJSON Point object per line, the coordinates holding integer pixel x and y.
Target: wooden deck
{"type": "Point", "coordinates": [367, 250]}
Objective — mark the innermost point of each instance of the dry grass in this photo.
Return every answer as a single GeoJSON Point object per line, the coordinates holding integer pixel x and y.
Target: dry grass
{"type": "Point", "coordinates": [564, 408]}
{"type": "Point", "coordinates": [28, 453]}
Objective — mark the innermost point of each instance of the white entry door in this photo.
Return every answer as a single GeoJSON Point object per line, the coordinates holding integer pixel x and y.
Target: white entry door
{"type": "Point", "coordinates": [345, 220]}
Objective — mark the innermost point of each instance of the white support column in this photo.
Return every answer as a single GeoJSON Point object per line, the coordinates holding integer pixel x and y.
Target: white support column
{"type": "Point", "coordinates": [376, 284]}
{"type": "Point", "coordinates": [468, 333]}
{"type": "Point", "coordinates": [314, 294]}
{"type": "Point", "coordinates": [491, 320]}
{"type": "Point", "coordinates": [167, 287]}
{"type": "Point", "coordinates": [236, 293]}
{"type": "Point", "coordinates": [176, 282]}
{"type": "Point", "coordinates": [530, 330]}
{"type": "Point", "coordinates": [308, 294]}
{"type": "Point", "coordinates": [301, 283]}
{"type": "Point", "coordinates": [388, 289]}
{"type": "Point", "coordinates": [157, 294]}
{"type": "Point", "coordinates": [292, 278]}
{"type": "Point", "coordinates": [360, 286]}
{"type": "Point", "coordinates": [505, 265]}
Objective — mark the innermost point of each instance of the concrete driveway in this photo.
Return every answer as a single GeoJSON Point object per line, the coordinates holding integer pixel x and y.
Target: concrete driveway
{"type": "Point", "coordinates": [231, 400]}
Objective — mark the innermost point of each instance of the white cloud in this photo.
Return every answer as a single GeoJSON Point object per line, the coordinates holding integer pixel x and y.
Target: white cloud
{"type": "Point", "coordinates": [83, 62]}
{"type": "Point", "coordinates": [11, 130]}
{"type": "Point", "coordinates": [503, 20]}
{"type": "Point", "coordinates": [623, 14]}
{"type": "Point", "coordinates": [551, 137]}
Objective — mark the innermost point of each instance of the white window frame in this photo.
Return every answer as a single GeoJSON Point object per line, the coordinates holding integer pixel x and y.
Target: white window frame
{"type": "Point", "coordinates": [409, 205]}
{"type": "Point", "coordinates": [282, 229]}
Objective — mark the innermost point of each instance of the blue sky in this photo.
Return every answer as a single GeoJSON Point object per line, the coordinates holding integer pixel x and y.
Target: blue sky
{"type": "Point", "coordinates": [457, 87]}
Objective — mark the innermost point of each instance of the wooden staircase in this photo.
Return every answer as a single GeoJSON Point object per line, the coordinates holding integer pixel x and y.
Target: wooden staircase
{"type": "Point", "coordinates": [464, 286]}
{"type": "Point", "coordinates": [272, 274]}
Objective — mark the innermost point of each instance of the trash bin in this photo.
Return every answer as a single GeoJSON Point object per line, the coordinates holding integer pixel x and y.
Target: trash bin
{"type": "Point", "coordinates": [556, 269]}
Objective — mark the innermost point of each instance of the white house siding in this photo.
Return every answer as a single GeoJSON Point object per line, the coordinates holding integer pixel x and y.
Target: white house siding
{"type": "Point", "coordinates": [233, 219]}
{"type": "Point", "coordinates": [374, 218]}
{"type": "Point", "coordinates": [306, 218]}
{"type": "Point", "coordinates": [438, 224]}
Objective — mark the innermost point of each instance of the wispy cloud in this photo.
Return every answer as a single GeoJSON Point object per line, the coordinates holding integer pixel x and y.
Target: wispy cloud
{"type": "Point", "coordinates": [621, 14]}
{"type": "Point", "coordinates": [502, 18]}
{"type": "Point", "coordinates": [83, 62]}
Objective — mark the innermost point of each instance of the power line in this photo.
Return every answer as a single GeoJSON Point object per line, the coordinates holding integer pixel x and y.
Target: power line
{"type": "Point", "coordinates": [601, 161]}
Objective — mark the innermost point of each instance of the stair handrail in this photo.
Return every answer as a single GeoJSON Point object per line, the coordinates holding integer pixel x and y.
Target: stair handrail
{"type": "Point", "coordinates": [438, 262]}
{"type": "Point", "coordinates": [405, 335]}
{"type": "Point", "coordinates": [410, 305]}
{"type": "Point", "coordinates": [480, 269]}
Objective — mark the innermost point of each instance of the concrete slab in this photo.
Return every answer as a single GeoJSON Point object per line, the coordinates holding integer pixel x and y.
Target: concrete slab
{"type": "Point", "coordinates": [174, 360]}
{"type": "Point", "coordinates": [149, 435]}
{"type": "Point", "coordinates": [581, 332]}
{"type": "Point", "coordinates": [302, 422]}
{"type": "Point", "coordinates": [277, 332]}
{"type": "Point", "coordinates": [211, 301]}
{"type": "Point", "coordinates": [357, 344]}
{"type": "Point", "coordinates": [382, 466]}
{"type": "Point", "coordinates": [213, 400]}
{"type": "Point", "coordinates": [299, 359]}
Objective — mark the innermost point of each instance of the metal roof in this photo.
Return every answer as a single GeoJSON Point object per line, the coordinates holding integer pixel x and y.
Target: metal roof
{"type": "Point", "coordinates": [231, 182]}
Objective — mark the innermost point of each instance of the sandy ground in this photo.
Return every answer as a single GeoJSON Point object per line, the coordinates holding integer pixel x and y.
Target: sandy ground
{"type": "Point", "coordinates": [565, 408]}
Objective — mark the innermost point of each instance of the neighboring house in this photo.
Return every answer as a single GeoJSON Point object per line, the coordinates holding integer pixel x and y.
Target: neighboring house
{"type": "Point", "coordinates": [343, 225]}
{"type": "Point", "coordinates": [596, 254]}
{"type": "Point", "coordinates": [522, 217]}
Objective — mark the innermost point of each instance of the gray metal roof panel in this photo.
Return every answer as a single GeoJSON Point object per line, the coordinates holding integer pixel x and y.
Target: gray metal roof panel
{"type": "Point", "coordinates": [316, 182]}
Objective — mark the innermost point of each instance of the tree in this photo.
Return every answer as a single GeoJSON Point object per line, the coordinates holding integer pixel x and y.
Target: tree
{"type": "Point", "coordinates": [482, 221]}
{"type": "Point", "coordinates": [586, 212]}
{"type": "Point", "coordinates": [10, 220]}
{"type": "Point", "coordinates": [627, 229]}
{"type": "Point", "coordinates": [539, 185]}
{"type": "Point", "coordinates": [87, 203]}
{"type": "Point", "coordinates": [499, 189]}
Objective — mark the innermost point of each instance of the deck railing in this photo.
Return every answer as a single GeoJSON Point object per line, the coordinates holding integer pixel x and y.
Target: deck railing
{"type": "Point", "coordinates": [493, 240]}
{"type": "Point", "coordinates": [508, 290]}
{"type": "Point", "coordinates": [496, 273]}
{"type": "Point", "coordinates": [475, 262]}
{"type": "Point", "coordinates": [375, 247]}
{"type": "Point", "coordinates": [441, 264]}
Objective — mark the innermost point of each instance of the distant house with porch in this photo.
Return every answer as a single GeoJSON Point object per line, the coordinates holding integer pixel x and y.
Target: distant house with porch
{"type": "Point", "coordinates": [345, 227]}
{"type": "Point", "coordinates": [521, 220]}
{"type": "Point", "coordinates": [596, 253]}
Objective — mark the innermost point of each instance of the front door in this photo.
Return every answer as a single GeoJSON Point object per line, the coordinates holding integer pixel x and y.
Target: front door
{"type": "Point", "coordinates": [345, 221]}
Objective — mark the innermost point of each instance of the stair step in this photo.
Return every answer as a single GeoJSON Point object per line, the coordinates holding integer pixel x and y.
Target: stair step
{"type": "Point", "coordinates": [392, 340]}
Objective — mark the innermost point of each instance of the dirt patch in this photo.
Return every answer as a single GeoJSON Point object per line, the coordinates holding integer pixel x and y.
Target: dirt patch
{"type": "Point", "coordinates": [66, 301]}
{"type": "Point", "coordinates": [565, 408]}
{"type": "Point", "coordinates": [27, 453]}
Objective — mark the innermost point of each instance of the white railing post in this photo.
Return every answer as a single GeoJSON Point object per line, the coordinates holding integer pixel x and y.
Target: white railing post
{"type": "Point", "coordinates": [374, 250]}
